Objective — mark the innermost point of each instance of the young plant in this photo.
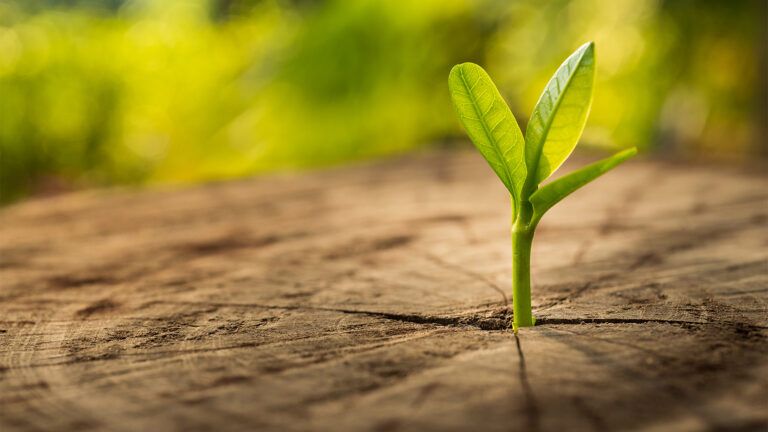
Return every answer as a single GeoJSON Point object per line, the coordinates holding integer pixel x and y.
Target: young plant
{"type": "Point", "coordinates": [523, 163]}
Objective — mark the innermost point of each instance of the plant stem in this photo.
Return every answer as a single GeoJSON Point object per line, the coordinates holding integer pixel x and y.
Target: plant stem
{"type": "Point", "coordinates": [522, 240]}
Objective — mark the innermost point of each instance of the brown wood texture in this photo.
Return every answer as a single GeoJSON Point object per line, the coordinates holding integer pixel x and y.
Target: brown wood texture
{"type": "Point", "coordinates": [374, 298]}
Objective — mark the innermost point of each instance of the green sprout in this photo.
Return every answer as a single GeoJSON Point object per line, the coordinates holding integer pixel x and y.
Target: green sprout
{"type": "Point", "coordinates": [523, 163]}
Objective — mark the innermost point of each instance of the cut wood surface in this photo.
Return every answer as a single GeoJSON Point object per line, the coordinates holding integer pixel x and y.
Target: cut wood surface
{"type": "Point", "coordinates": [375, 298]}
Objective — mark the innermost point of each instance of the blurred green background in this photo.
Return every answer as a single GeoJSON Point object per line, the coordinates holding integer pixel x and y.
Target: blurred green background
{"type": "Point", "coordinates": [164, 91]}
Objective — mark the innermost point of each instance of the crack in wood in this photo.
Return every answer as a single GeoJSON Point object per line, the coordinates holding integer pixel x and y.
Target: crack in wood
{"type": "Point", "coordinates": [498, 320]}
{"type": "Point", "coordinates": [576, 321]}
{"type": "Point", "coordinates": [532, 413]}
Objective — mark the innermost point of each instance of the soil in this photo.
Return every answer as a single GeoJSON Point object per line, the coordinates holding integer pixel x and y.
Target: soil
{"type": "Point", "coordinates": [375, 298]}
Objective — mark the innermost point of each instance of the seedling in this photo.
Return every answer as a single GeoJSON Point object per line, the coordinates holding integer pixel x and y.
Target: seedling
{"type": "Point", "coordinates": [523, 164]}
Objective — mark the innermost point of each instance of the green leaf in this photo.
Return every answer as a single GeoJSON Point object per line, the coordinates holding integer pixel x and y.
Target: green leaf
{"type": "Point", "coordinates": [550, 194]}
{"type": "Point", "coordinates": [560, 115]}
{"type": "Point", "coordinates": [490, 124]}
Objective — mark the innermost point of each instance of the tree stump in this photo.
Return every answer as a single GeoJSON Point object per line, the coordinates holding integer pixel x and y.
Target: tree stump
{"type": "Point", "coordinates": [376, 298]}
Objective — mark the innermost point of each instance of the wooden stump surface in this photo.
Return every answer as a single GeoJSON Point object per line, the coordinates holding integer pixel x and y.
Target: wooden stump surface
{"type": "Point", "coordinates": [375, 298]}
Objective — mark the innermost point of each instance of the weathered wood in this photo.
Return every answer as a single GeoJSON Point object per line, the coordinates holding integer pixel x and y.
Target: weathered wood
{"type": "Point", "coordinates": [373, 299]}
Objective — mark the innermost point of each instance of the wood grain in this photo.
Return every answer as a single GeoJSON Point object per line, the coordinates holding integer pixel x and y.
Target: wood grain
{"type": "Point", "coordinates": [375, 298]}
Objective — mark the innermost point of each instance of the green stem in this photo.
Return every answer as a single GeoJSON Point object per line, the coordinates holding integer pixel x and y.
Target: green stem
{"type": "Point", "coordinates": [522, 240]}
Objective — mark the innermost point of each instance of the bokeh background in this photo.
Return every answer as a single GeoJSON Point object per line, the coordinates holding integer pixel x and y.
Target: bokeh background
{"type": "Point", "coordinates": [105, 92]}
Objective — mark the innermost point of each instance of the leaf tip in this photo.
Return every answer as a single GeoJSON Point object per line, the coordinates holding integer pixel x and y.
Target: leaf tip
{"type": "Point", "coordinates": [628, 153]}
{"type": "Point", "coordinates": [462, 67]}
{"type": "Point", "coordinates": [457, 71]}
{"type": "Point", "coordinates": [586, 51]}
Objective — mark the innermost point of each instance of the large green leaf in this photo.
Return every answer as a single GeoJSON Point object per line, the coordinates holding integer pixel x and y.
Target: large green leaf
{"type": "Point", "coordinates": [490, 124]}
{"type": "Point", "coordinates": [550, 194]}
{"type": "Point", "coordinates": [560, 115]}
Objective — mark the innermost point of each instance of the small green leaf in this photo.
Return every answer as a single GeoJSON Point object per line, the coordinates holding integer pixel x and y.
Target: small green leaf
{"type": "Point", "coordinates": [560, 115]}
{"type": "Point", "coordinates": [490, 124]}
{"type": "Point", "coordinates": [550, 194]}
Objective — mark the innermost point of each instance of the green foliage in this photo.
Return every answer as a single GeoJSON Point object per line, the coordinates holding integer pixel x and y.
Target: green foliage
{"type": "Point", "coordinates": [158, 92]}
{"type": "Point", "coordinates": [100, 92]}
{"type": "Point", "coordinates": [522, 164]}
{"type": "Point", "coordinates": [549, 195]}
{"type": "Point", "coordinates": [489, 123]}
{"type": "Point", "coordinates": [560, 115]}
